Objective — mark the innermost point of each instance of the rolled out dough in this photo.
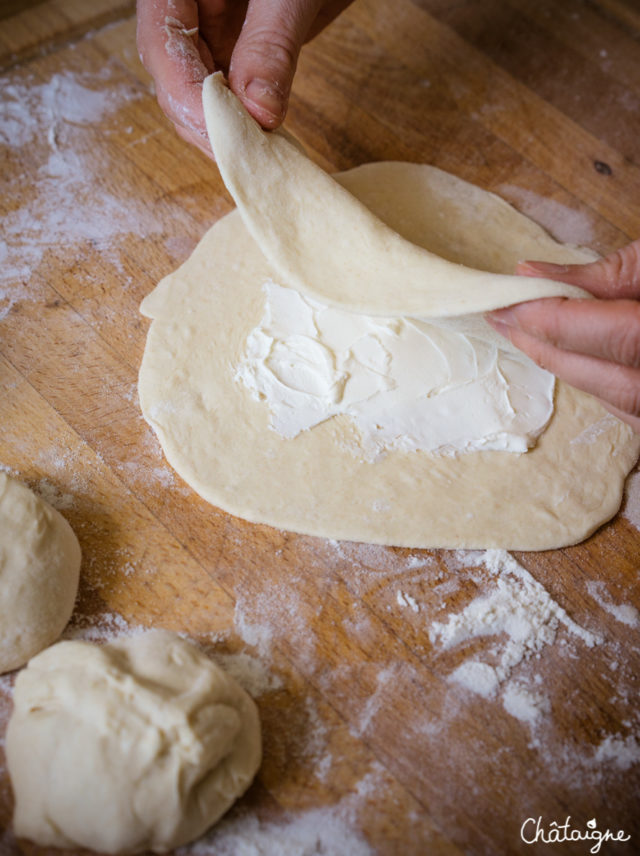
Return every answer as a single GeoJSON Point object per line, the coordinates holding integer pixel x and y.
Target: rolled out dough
{"type": "Point", "coordinates": [217, 437]}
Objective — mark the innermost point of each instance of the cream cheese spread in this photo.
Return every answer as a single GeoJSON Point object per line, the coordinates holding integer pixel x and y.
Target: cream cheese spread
{"type": "Point", "coordinates": [406, 384]}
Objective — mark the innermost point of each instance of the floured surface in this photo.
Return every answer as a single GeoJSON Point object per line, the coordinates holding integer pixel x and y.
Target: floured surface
{"type": "Point", "coordinates": [218, 438]}
{"type": "Point", "coordinates": [70, 203]}
{"type": "Point", "coordinates": [366, 737]}
{"type": "Point", "coordinates": [446, 597]}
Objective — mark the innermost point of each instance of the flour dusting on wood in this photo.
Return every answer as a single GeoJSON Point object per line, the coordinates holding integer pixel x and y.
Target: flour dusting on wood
{"type": "Point", "coordinates": [67, 202]}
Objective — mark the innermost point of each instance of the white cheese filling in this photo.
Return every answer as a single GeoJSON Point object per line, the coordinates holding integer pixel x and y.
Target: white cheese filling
{"type": "Point", "coordinates": [406, 384]}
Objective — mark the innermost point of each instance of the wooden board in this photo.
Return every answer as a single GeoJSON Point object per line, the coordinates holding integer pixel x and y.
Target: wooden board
{"type": "Point", "coordinates": [367, 739]}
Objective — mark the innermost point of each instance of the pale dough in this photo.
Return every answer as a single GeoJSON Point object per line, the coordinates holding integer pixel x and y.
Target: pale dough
{"type": "Point", "coordinates": [39, 570]}
{"type": "Point", "coordinates": [322, 240]}
{"type": "Point", "coordinates": [140, 744]}
{"type": "Point", "coordinates": [218, 438]}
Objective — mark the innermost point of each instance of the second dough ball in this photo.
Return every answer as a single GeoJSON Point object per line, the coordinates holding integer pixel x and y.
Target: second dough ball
{"type": "Point", "coordinates": [141, 744]}
{"type": "Point", "coordinates": [39, 570]}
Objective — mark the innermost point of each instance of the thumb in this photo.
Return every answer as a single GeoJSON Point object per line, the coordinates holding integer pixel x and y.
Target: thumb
{"type": "Point", "coordinates": [265, 56]}
{"type": "Point", "coordinates": [616, 276]}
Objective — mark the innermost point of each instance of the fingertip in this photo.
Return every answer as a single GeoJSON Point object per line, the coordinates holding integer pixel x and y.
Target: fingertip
{"type": "Point", "coordinates": [265, 55]}
{"type": "Point", "coordinates": [498, 325]}
{"type": "Point", "coordinates": [542, 269]}
{"type": "Point", "coordinates": [264, 99]}
{"type": "Point", "coordinates": [266, 102]}
{"type": "Point", "coordinates": [505, 318]}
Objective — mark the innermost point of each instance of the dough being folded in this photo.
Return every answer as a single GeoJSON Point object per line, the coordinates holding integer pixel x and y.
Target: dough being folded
{"type": "Point", "coordinates": [321, 240]}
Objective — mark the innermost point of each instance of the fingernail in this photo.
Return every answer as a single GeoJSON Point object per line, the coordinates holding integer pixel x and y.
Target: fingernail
{"type": "Point", "coordinates": [503, 329]}
{"type": "Point", "coordinates": [543, 268]}
{"type": "Point", "coordinates": [265, 95]}
{"type": "Point", "coordinates": [504, 318]}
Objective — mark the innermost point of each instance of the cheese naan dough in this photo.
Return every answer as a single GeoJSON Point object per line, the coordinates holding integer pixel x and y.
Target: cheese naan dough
{"type": "Point", "coordinates": [218, 438]}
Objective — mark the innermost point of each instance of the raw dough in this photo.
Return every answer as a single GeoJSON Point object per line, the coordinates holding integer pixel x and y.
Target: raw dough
{"type": "Point", "coordinates": [322, 241]}
{"type": "Point", "coordinates": [139, 744]}
{"type": "Point", "coordinates": [39, 570]}
{"type": "Point", "coordinates": [218, 438]}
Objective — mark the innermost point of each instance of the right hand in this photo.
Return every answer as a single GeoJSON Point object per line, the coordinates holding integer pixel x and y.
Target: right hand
{"type": "Point", "coordinates": [593, 345]}
{"type": "Point", "coordinates": [255, 43]}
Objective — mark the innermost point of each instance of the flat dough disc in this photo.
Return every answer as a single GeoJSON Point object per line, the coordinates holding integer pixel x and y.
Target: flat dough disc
{"type": "Point", "coordinates": [218, 438]}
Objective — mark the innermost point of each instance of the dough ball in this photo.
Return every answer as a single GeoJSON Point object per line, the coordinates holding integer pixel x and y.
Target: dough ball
{"type": "Point", "coordinates": [140, 744]}
{"type": "Point", "coordinates": [39, 570]}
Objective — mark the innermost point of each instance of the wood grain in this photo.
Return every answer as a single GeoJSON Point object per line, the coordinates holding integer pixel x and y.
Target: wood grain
{"type": "Point", "coordinates": [361, 720]}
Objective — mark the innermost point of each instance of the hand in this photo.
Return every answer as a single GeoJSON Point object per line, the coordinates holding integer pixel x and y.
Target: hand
{"type": "Point", "coordinates": [593, 345]}
{"type": "Point", "coordinates": [256, 44]}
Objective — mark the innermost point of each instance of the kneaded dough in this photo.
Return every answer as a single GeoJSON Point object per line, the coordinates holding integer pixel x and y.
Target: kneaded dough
{"type": "Point", "coordinates": [218, 438]}
{"type": "Point", "coordinates": [39, 571]}
{"type": "Point", "coordinates": [140, 744]}
{"type": "Point", "coordinates": [323, 241]}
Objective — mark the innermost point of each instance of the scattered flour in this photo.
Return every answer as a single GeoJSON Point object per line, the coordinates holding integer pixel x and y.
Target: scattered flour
{"type": "Point", "coordinates": [375, 701]}
{"type": "Point", "coordinates": [278, 611]}
{"type": "Point", "coordinates": [480, 678]}
{"type": "Point", "coordinates": [258, 636]}
{"type": "Point", "coordinates": [524, 619]}
{"type": "Point", "coordinates": [66, 200]}
{"type": "Point", "coordinates": [631, 507]}
{"type": "Point", "coordinates": [149, 476]}
{"type": "Point", "coordinates": [513, 611]}
{"type": "Point", "coordinates": [622, 752]}
{"type": "Point", "coordinates": [101, 627]}
{"type": "Point", "coordinates": [524, 703]}
{"type": "Point", "coordinates": [29, 109]}
{"type": "Point", "coordinates": [626, 613]}
{"type": "Point", "coordinates": [326, 831]}
{"type": "Point", "coordinates": [317, 832]}
{"type": "Point", "coordinates": [517, 607]}
{"type": "Point", "coordinates": [405, 599]}
{"type": "Point", "coordinates": [419, 561]}
{"type": "Point", "coordinates": [315, 741]}
{"type": "Point", "coordinates": [53, 495]}
{"type": "Point", "coordinates": [251, 672]}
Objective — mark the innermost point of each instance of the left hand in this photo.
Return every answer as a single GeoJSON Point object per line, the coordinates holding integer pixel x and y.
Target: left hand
{"type": "Point", "coordinates": [593, 345]}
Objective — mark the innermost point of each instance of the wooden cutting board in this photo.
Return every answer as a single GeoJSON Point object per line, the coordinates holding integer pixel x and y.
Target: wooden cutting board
{"type": "Point", "coordinates": [368, 742]}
